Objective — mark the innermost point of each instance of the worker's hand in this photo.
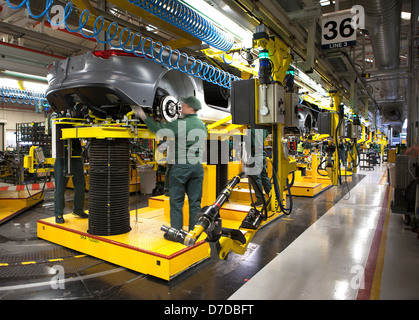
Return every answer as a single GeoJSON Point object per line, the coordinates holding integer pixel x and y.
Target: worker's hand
{"type": "Point", "coordinates": [413, 151]}
{"type": "Point", "coordinates": [139, 112]}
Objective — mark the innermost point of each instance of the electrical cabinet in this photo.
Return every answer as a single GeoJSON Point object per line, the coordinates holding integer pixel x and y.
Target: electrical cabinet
{"type": "Point", "coordinates": [325, 123]}
{"type": "Point", "coordinates": [270, 104]}
{"type": "Point", "coordinates": [247, 104]}
{"type": "Point", "coordinates": [292, 116]}
{"type": "Point", "coordinates": [355, 132]}
{"type": "Point", "coordinates": [243, 102]}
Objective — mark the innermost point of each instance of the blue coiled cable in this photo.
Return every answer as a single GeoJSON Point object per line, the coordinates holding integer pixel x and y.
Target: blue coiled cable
{"type": "Point", "coordinates": [14, 95]}
{"type": "Point", "coordinates": [188, 20]}
{"type": "Point", "coordinates": [137, 44]}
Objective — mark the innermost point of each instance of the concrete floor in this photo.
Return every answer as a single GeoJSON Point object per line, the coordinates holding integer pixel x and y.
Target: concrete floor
{"type": "Point", "coordinates": [357, 250]}
{"type": "Point", "coordinates": [338, 245]}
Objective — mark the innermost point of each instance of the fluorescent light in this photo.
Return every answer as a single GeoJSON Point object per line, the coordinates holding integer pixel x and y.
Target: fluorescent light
{"type": "Point", "coordinates": [220, 20]}
{"type": "Point", "coordinates": [12, 83]}
{"type": "Point", "coordinates": [24, 75]}
{"type": "Point", "coordinates": [36, 87]}
{"type": "Point", "coordinates": [406, 15]}
{"type": "Point", "coordinates": [86, 30]}
{"type": "Point", "coordinates": [150, 27]}
{"type": "Point", "coordinates": [325, 2]}
{"type": "Point", "coordinates": [9, 83]}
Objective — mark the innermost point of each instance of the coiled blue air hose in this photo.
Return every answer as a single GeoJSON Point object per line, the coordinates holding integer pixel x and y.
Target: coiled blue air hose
{"type": "Point", "coordinates": [14, 95]}
{"type": "Point", "coordinates": [145, 47]}
{"type": "Point", "coordinates": [188, 20]}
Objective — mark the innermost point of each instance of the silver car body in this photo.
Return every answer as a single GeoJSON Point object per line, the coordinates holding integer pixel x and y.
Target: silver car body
{"type": "Point", "coordinates": [121, 80]}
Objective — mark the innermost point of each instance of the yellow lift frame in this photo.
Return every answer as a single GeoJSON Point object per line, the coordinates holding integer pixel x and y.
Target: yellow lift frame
{"type": "Point", "coordinates": [144, 249]}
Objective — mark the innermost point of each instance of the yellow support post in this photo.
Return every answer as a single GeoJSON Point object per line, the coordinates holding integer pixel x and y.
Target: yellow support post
{"type": "Point", "coordinates": [314, 166]}
{"type": "Point", "coordinates": [362, 135]}
{"type": "Point", "coordinates": [279, 54]}
{"type": "Point", "coordinates": [369, 140]}
{"type": "Point", "coordinates": [335, 120]}
{"type": "Point", "coordinates": [218, 55]}
{"type": "Point", "coordinates": [355, 159]}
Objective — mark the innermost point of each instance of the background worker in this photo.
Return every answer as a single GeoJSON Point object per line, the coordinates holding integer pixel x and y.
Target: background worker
{"type": "Point", "coordinates": [61, 177]}
{"type": "Point", "coordinates": [186, 173]}
{"type": "Point", "coordinates": [259, 181]}
{"type": "Point", "coordinates": [413, 150]}
{"type": "Point", "coordinates": [300, 148]}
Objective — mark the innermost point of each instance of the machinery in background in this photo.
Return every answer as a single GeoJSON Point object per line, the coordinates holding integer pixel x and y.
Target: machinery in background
{"type": "Point", "coordinates": [34, 134]}
{"type": "Point", "coordinates": [29, 137]}
{"type": "Point", "coordinates": [11, 164]}
{"type": "Point", "coordinates": [25, 167]}
{"type": "Point", "coordinates": [117, 82]}
{"type": "Point", "coordinates": [35, 160]}
{"type": "Point", "coordinates": [341, 141]}
{"type": "Point", "coordinates": [404, 179]}
{"type": "Point", "coordinates": [260, 104]}
{"type": "Point", "coordinates": [24, 170]}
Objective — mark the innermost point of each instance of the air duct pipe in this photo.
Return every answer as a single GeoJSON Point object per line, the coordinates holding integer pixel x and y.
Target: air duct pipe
{"type": "Point", "coordinates": [384, 31]}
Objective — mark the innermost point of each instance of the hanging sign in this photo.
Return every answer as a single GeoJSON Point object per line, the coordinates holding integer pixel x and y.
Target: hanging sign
{"type": "Point", "coordinates": [337, 30]}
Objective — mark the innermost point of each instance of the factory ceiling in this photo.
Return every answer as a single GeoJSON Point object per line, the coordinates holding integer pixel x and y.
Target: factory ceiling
{"type": "Point", "coordinates": [374, 74]}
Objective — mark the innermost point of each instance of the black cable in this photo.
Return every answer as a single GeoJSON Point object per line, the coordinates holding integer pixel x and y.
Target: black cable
{"type": "Point", "coordinates": [337, 147]}
{"type": "Point", "coordinates": [358, 154]}
{"type": "Point", "coordinates": [285, 210]}
{"type": "Point", "coordinates": [250, 191]}
{"type": "Point", "coordinates": [288, 210]}
{"type": "Point", "coordinates": [319, 167]}
{"type": "Point", "coordinates": [43, 187]}
{"type": "Point", "coordinates": [264, 207]}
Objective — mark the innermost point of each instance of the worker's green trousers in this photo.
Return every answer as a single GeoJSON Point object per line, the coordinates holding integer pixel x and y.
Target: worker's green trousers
{"type": "Point", "coordinates": [185, 178]}
{"type": "Point", "coordinates": [263, 182]}
{"type": "Point", "coordinates": [60, 168]}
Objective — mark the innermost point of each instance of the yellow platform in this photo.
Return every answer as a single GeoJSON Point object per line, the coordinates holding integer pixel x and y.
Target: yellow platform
{"type": "Point", "coordinates": [316, 178]}
{"type": "Point", "coordinates": [143, 249]}
{"type": "Point", "coordinates": [15, 202]}
{"type": "Point", "coordinates": [306, 189]}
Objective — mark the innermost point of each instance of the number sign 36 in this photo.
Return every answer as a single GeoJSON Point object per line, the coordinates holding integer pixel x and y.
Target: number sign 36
{"type": "Point", "coordinates": [337, 30]}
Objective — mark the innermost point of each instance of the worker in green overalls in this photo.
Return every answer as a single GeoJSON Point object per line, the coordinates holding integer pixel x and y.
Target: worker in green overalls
{"type": "Point", "coordinates": [186, 174]}
{"type": "Point", "coordinates": [61, 177]}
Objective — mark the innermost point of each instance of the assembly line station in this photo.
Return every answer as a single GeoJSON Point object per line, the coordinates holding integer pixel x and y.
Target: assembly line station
{"type": "Point", "coordinates": [333, 83]}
